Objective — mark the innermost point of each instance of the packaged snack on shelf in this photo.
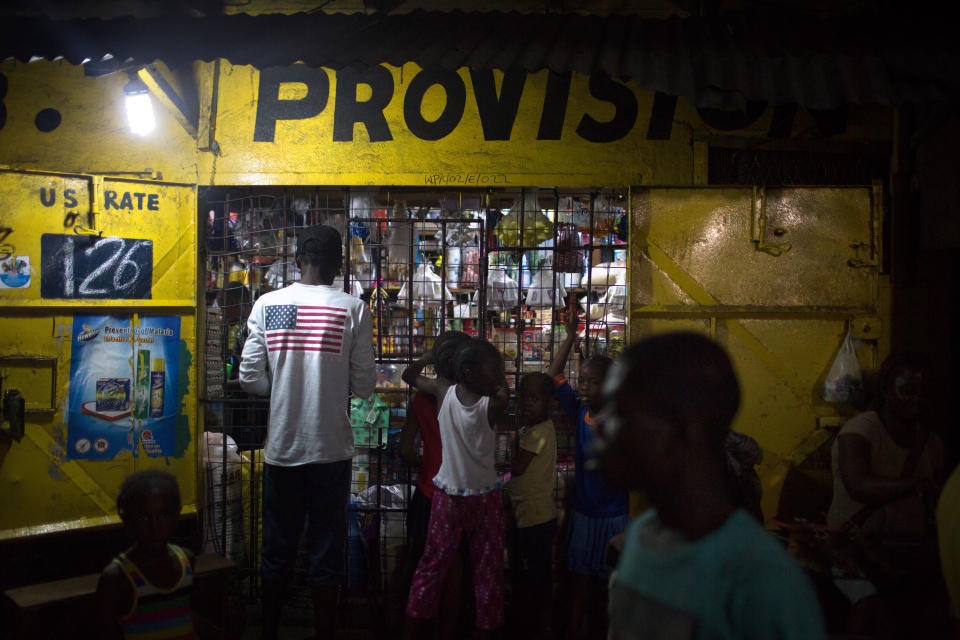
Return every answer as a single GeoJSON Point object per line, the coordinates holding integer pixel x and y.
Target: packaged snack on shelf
{"type": "Point", "coordinates": [359, 475]}
{"type": "Point", "coordinates": [452, 262]}
{"type": "Point", "coordinates": [465, 310]}
{"type": "Point", "coordinates": [428, 235]}
{"type": "Point", "coordinates": [463, 266]}
{"type": "Point", "coordinates": [370, 420]}
{"type": "Point", "coordinates": [534, 344]}
{"type": "Point", "coordinates": [470, 266]}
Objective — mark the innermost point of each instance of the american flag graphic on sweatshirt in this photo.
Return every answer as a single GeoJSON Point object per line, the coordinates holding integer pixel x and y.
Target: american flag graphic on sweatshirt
{"type": "Point", "coordinates": [292, 327]}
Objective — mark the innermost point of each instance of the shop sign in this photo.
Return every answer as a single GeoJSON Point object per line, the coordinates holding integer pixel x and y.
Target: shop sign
{"type": "Point", "coordinates": [384, 125]}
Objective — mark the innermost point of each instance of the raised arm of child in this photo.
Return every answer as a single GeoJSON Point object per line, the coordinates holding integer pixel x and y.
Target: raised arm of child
{"type": "Point", "coordinates": [408, 437]}
{"type": "Point", "coordinates": [437, 387]}
{"type": "Point", "coordinates": [498, 405]}
{"type": "Point", "coordinates": [572, 323]}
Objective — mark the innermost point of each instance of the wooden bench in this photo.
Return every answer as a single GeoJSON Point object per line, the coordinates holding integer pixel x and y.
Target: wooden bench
{"type": "Point", "coordinates": [49, 609]}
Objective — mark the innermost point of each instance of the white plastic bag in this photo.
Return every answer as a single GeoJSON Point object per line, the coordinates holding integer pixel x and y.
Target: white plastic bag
{"type": "Point", "coordinates": [356, 289]}
{"type": "Point", "coordinates": [845, 378]}
{"type": "Point", "coordinates": [362, 204]}
{"type": "Point", "coordinates": [603, 275]}
{"type": "Point", "coordinates": [222, 498]}
{"type": "Point", "coordinates": [616, 296]}
{"type": "Point", "coordinates": [542, 293]}
{"type": "Point", "coordinates": [427, 287]}
{"type": "Point", "coordinates": [502, 290]}
{"type": "Point", "coordinates": [400, 236]}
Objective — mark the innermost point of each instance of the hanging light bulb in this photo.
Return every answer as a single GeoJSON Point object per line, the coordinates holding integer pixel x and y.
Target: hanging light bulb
{"type": "Point", "coordinates": [139, 107]}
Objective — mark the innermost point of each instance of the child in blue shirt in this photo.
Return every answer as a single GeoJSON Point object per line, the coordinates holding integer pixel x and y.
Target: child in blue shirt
{"type": "Point", "coordinates": [597, 513]}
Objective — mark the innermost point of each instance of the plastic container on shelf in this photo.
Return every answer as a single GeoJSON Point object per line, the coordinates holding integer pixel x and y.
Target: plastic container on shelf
{"type": "Point", "coordinates": [505, 340]}
{"type": "Point", "coordinates": [388, 376]}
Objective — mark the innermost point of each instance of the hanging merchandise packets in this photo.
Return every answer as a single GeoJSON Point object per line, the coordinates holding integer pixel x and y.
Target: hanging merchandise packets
{"type": "Point", "coordinates": [428, 291]}
{"type": "Point", "coordinates": [569, 257]}
{"type": "Point", "coordinates": [361, 266]}
{"type": "Point", "coordinates": [536, 226]}
{"type": "Point", "coordinates": [502, 290]}
{"type": "Point", "coordinates": [400, 236]}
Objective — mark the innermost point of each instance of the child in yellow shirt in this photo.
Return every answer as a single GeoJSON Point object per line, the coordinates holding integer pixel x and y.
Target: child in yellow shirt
{"type": "Point", "coordinates": [534, 474]}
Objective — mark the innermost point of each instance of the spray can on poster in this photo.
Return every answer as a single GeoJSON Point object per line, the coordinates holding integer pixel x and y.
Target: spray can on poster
{"type": "Point", "coordinates": [157, 381]}
{"type": "Point", "coordinates": [141, 405]}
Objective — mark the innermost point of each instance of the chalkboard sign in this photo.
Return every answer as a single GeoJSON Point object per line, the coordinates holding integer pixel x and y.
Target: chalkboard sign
{"type": "Point", "coordinates": [74, 266]}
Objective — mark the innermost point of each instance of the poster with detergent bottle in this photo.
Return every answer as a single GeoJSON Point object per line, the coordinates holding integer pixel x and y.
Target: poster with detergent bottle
{"type": "Point", "coordinates": [158, 347]}
{"type": "Point", "coordinates": [123, 386]}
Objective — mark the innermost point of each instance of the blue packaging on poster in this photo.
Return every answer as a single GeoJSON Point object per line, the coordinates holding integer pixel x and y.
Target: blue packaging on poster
{"type": "Point", "coordinates": [113, 394]}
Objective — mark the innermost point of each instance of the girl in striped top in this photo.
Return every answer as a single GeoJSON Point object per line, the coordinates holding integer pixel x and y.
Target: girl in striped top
{"type": "Point", "coordinates": [144, 593]}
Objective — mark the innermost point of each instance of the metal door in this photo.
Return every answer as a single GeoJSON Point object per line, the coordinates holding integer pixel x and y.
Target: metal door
{"type": "Point", "coordinates": [90, 260]}
{"type": "Point", "coordinates": [778, 276]}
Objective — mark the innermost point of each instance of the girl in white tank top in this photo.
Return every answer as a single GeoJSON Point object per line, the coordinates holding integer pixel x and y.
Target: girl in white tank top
{"type": "Point", "coordinates": [468, 503]}
{"type": "Point", "coordinates": [468, 447]}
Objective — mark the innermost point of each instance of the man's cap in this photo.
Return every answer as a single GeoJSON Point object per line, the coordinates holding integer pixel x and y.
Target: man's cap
{"type": "Point", "coordinates": [321, 241]}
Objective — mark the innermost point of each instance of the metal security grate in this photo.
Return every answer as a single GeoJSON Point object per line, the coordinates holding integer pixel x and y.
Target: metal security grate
{"type": "Point", "coordinates": [501, 264]}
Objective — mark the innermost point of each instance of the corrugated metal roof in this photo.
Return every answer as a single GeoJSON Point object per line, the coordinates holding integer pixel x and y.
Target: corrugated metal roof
{"type": "Point", "coordinates": [720, 62]}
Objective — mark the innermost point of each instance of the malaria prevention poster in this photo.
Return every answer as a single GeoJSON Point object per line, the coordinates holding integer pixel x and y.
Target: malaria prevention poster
{"type": "Point", "coordinates": [123, 386]}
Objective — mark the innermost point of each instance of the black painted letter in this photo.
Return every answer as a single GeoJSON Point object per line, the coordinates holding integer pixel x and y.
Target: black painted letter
{"type": "Point", "coordinates": [603, 87]}
{"type": "Point", "coordinates": [452, 111]}
{"type": "Point", "coordinates": [270, 108]}
{"type": "Point", "coordinates": [497, 113]}
{"type": "Point", "coordinates": [348, 110]}
{"type": "Point", "coordinates": [43, 197]}
{"type": "Point", "coordinates": [554, 106]}
{"type": "Point", "coordinates": [661, 116]}
{"type": "Point", "coordinates": [68, 200]}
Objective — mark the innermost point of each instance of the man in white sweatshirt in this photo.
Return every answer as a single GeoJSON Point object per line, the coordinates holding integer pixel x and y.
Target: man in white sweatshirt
{"type": "Point", "coordinates": [309, 345]}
